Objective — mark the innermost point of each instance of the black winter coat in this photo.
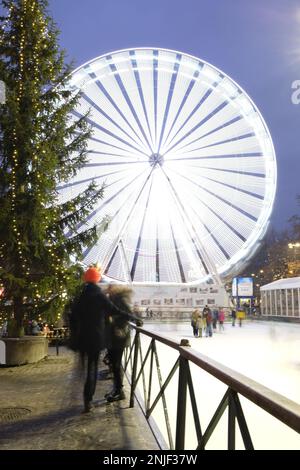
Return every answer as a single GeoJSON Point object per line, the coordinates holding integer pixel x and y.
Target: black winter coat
{"type": "Point", "coordinates": [88, 318]}
{"type": "Point", "coordinates": [117, 326]}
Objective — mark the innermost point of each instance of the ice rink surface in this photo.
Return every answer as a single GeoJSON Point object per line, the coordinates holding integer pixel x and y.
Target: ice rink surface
{"type": "Point", "coordinates": [265, 351]}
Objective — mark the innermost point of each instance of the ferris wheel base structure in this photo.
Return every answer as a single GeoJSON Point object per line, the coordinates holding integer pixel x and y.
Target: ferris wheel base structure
{"type": "Point", "coordinates": [187, 163]}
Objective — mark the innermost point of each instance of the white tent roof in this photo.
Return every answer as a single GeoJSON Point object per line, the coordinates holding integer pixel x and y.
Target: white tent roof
{"type": "Point", "coordinates": [290, 283]}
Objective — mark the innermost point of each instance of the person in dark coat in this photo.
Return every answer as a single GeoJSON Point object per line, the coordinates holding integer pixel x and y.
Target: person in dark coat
{"type": "Point", "coordinates": [233, 316]}
{"type": "Point", "coordinates": [87, 326]}
{"type": "Point", "coordinates": [118, 337]}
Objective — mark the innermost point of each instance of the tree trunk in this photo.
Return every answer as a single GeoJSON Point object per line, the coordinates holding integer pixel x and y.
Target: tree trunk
{"type": "Point", "coordinates": [18, 311]}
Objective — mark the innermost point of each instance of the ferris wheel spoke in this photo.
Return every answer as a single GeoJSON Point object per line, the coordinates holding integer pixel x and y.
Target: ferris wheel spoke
{"type": "Point", "coordinates": [237, 172]}
{"type": "Point", "coordinates": [211, 157]}
{"type": "Point", "coordinates": [135, 157]}
{"type": "Point", "coordinates": [197, 126]}
{"type": "Point", "coordinates": [197, 215]}
{"type": "Point", "coordinates": [233, 229]}
{"type": "Point", "coordinates": [141, 93]}
{"type": "Point", "coordinates": [222, 127]}
{"type": "Point", "coordinates": [128, 101]}
{"type": "Point", "coordinates": [108, 144]}
{"type": "Point", "coordinates": [229, 203]}
{"type": "Point", "coordinates": [179, 262]}
{"type": "Point", "coordinates": [222, 142]}
{"type": "Point", "coordinates": [183, 101]}
{"type": "Point", "coordinates": [169, 99]}
{"type": "Point", "coordinates": [107, 95]}
{"type": "Point", "coordinates": [192, 236]}
{"type": "Point", "coordinates": [198, 246]}
{"type": "Point", "coordinates": [119, 236]}
{"type": "Point", "coordinates": [191, 114]}
{"type": "Point", "coordinates": [109, 118]}
{"type": "Point", "coordinates": [155, 75]}
{"type": "Point", "coordinates": [87, 180]}
{"type": "Point", "coordinates": [157, 272]}
{"type": "Point", "coordinates": [107, 132]}
{"type": "Point", "coordinates": [114, 163]}
{"type": "Point", "coordinates": [107, 266]}
{"type": "Point", "coordinates": [107, 201]}
{"type": "Point", "coordinates": [232, 121]}
{"type": "Point", "coordinates": [218, 215]}
{"type": "Point", "coordinates": [223, 183]}
{"type": "Point", "coordinates": [214, 144]}
{"type": "Point", "coordinates": [209, 116]}
{"type": "Point", "coordinates": [110, 154]}
{"type": "Point", "coordinates": [235, 188]}
{"type": "Point", "coordinates": [107, 263]}
{"type": "Point", "coordinates": [216, 241]}
{"type": "Point", "coordinates": [114, 217]}
{"type": "Point", "coordinates": [139, 239]}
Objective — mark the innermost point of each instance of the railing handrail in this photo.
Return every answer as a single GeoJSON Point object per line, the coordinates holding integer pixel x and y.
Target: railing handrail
{"type": "Point", "coordinates": [162, 338]}
{"type": "Point", "coordinates": [279, 406]}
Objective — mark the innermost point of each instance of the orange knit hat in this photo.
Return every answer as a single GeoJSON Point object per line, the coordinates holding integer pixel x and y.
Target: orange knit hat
{"type": "Point", "coordinates": [92, 275]}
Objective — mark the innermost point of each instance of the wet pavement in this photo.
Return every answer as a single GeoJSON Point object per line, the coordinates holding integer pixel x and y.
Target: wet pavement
{"type": "Point", "coordinates": [41, 409]}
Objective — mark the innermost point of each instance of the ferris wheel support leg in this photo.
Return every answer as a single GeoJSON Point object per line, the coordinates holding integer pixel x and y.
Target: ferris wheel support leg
{"type": "Point", "coordinates": [188, 227]}
{"type": "Point", "coordinates": [119, 236]}
{"type": "Point", "coordinates": [125, 262]}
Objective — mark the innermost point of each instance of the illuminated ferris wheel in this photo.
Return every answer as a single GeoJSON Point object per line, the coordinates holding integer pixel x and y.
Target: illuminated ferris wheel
{"type": "Point", "coordinates": [187, 161]}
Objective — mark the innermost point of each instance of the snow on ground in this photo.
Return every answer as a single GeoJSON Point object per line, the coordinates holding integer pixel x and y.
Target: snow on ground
{"type": "Point", "coordinates": [267, 352]}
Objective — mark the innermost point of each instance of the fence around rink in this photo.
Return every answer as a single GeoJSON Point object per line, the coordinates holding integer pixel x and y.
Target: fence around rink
{"type": "Point", "coordinates": [150, 386]}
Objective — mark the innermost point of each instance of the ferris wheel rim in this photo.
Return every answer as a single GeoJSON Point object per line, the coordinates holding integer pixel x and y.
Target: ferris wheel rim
{"type": "Point", "coordinates": [264, 216]}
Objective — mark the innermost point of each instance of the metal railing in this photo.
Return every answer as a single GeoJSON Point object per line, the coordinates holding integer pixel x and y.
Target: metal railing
{"type": "Point", "coordinates": [285, 410]}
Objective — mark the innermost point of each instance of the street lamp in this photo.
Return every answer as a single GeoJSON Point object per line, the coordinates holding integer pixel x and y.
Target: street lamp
{"type": "Point", "coordinates": [294, 245]}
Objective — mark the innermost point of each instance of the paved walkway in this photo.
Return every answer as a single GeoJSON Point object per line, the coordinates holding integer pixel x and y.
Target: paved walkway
{"type": "Point", "coordinates": [41, 408]}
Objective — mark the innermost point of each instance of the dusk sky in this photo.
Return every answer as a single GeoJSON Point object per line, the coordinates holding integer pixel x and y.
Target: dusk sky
{"type": "Point", "coordinates": [256, 43]}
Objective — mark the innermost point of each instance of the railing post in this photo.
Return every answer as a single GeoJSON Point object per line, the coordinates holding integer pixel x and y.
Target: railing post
{"type": "Point", "coordinates": [231, 422]}
{"type": "Point", "coordinates": [181, 404]}
{"type": "Point", "coordinates": [134, 368]}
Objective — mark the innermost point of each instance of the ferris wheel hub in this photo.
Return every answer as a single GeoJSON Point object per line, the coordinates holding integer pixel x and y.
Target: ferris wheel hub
{"type": "Point", "coordinates": [156, 159]}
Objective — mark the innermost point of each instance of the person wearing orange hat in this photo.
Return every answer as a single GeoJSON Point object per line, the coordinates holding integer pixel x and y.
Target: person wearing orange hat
{"type": "Point", "coordinates": [92, 275]}
{"type": "Point", "coordinates": [87, 326]}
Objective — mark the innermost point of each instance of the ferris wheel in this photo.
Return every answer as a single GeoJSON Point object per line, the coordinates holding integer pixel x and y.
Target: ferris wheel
{"type": "Point", "coordinates": [187, 161]}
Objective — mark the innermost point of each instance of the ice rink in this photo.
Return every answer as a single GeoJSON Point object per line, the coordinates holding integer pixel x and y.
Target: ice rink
{"type": "Point", "coordinates": [267, 352]}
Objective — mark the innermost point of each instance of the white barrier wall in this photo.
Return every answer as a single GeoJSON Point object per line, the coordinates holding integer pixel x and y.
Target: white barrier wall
{"type": "Point", "coordinates": [164, 298]}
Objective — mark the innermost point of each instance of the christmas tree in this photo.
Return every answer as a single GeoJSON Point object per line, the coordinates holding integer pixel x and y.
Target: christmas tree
{"type": "Point", "coordinates": [40, 147]}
